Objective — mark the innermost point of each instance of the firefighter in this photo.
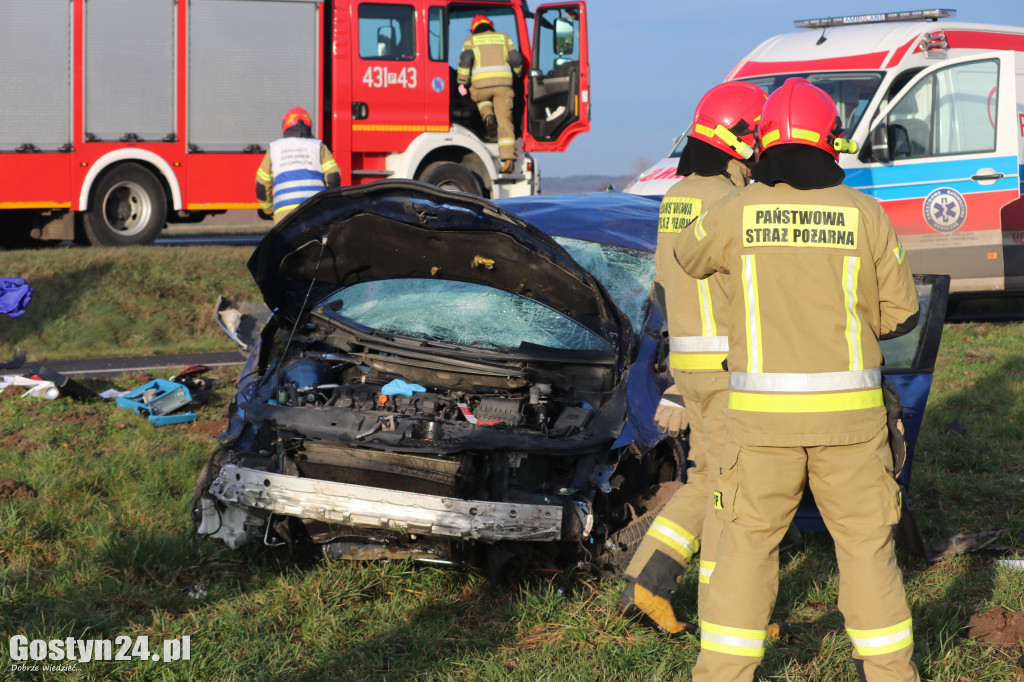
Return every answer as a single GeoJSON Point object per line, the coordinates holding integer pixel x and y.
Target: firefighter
{"type": "Point", "coordinates": [296, 167]}
{"type": "Point", "coordinates": [818, 277]}
{"type": "Point", "coordinates": [488, 61]}
{"type": "Point", "coordinates": [716, 160]}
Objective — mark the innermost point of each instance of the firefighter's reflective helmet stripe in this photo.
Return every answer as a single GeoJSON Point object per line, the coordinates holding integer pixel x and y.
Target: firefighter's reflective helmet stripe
{"type": "Point", "coordinates": [675, 536]}
{"type": "Point", "coordinates": [805, 402]}
{"type": "Point", "coordinates": [752, 308]}
{"type": "Point", "coordinates": [851, 273]}
{"type": "Point", "coordinates": [882, 640]}
{"type": "Point", "coordinates": [735, 641]}
{"type": "Point", "coordinates": [706, 569]}
{"type": "Point", "coordinates": [792, 382]}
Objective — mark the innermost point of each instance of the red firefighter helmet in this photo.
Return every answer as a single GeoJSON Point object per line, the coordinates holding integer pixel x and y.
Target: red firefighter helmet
{"type": "Point", "coordinates": [727, 117]}
{"type": "Point", "coordinates": [478, 20]}
{"type": "Point", "coordinates": [295, 115]}
{"type": "Point", "coordinates": [800, 113]}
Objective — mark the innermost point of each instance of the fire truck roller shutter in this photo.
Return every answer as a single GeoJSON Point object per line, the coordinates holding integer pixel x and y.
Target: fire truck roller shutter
{"type": "Point", "coordinates": [453, 176]}
{"type": "Point", "coordinates": [127, 207]}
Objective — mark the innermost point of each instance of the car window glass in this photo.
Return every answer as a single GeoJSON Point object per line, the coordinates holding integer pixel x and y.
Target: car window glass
{"type": "Point", "coordinates": [850, 90]}
{"type": "Point", "coordinates": [437, 34]}
{"type": "Point", "coordinates": [952, 111]}
{"type": "Point", "coordinates": [460, 313]}
{"type": "Point", "coordinates": [626, 273]}
{"type": "Point", "coordinates": [387, 32]}
{"type": "Point", "coordinates": [460, 19]}
{"type": "Point", "coordinates": [902, 352]}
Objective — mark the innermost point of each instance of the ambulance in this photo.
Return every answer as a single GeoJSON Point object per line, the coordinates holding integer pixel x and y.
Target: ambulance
{"type": "Point", "coordinates": [937, 109]}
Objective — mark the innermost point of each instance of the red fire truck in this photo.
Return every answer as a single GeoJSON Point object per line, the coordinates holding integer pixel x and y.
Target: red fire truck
{"type": "Point", "coordinates": [119, 115]}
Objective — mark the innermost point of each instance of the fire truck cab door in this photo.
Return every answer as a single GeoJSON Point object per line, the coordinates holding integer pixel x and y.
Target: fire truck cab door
{"type": "Point", "coordinates": [558, 91]}
{"type": "Point", "coordinates": [388, 80]}
{"type": "Point", "coordinates": [943, 162]}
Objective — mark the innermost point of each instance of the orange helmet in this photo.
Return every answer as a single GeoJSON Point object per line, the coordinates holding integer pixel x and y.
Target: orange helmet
{"type": "Point", "coordinates": [727, 117]}
{"type": "Point", "coordinates": [480, 19]}
{"type": "Point", "coordinates": [295, 115]}
{"type": "Point", "coordinates": [800, 113]}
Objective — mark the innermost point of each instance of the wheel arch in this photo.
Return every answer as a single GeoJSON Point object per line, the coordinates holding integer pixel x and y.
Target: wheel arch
{"type": "Point", "coordinates": [458, 146]}
{"type": "Point", "coordinates": [153, 162]}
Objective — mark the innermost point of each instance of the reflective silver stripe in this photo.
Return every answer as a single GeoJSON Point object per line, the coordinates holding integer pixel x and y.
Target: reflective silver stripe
{"type": "Point", "coordinates": [698, 344]}
{"type": "Point", "coordinates": [786, 382]}
{"type": "Point", "coordinates": [492, 69]}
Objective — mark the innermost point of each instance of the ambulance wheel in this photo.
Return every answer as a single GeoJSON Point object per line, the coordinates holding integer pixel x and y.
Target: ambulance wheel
{"type": "Point", "coordinates": [452, 176]}
{"type": "Point", "coordinates": [128, 208]}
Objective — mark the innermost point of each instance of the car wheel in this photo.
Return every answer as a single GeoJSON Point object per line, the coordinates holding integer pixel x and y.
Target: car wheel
{"type": "Point", "coordinates": [625, 541]}
{"type": "Point", "coordinates": [451, 176]}
{"type": "Point", "coordinates": [128, 207]}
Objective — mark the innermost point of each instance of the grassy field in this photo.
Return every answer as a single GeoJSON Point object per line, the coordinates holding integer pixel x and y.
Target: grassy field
{"type": "Point", "coordinates": [103, 546]}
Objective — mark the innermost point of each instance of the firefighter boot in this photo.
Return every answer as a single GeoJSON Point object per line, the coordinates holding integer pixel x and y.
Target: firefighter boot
{"type": "Point", "coordinates": [491, 125]}
{"type": "Point", "coordinates": [639, 604]}
{"type": "Point", "coordinates": [508, 165]}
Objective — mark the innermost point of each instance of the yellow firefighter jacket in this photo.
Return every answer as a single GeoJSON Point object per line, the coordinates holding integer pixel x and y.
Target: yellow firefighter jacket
{"type": "Point", "coordinates": [494, 59]}
{"type": "Point", "coordinates": [818, 276]}
{"type": "Point", "coordinates": [696, 308]}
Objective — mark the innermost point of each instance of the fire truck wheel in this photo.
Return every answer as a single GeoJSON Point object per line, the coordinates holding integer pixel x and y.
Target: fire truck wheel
{"type": "Point", "coordinates": [453, 176]}
{"type": "Point", "coordinates": [128, 207]}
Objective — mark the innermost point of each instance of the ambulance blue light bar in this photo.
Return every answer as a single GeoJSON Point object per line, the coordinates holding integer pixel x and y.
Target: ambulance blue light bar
{"type": "Point", "coordinates": [882, 17]}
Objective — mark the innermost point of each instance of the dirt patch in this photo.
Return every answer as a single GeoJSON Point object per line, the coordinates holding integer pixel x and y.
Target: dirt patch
{"type": "Point", "coordinates": [19, 443]}
{"type": "Point", "coordinates": [12, 391]}
{"type": "Point", "coordinates": [209, 428]}
{"type": "Point", "coordinates": [12, 490]}
{"type": "Point", "coordinates": [997, 626]}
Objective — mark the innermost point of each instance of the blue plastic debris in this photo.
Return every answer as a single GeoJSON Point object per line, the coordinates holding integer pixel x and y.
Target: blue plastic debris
{"type": "Point", "coordinates": [158, 399]}
{"type": "Point", "coordinates": [400, 387]}
{"type": "Point", "coordinates": [15, 295]}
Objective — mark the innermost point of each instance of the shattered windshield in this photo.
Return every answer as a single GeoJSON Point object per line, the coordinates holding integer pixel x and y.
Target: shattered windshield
{"type": "Point", "coordinates": [626, 273]}
{"type": "Point", "coordinates": [459, 313]}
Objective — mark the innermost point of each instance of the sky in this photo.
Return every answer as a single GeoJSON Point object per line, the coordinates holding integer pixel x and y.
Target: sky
{"type": "Point", "coordinates": [652, 60]}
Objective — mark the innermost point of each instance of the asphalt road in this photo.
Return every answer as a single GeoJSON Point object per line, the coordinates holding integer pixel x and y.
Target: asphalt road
{"type": "Point", "coordinates": [154, 364]}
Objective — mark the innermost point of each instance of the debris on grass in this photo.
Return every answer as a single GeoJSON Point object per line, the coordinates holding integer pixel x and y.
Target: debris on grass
{"type": "Point", "coordinates": [962, 543]}
{"type": "Point", "coordinates": [954, 428]}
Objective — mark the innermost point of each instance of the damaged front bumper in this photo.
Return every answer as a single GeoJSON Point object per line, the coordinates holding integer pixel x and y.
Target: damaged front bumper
{"type": "Point", "coordinates": [241, 490]}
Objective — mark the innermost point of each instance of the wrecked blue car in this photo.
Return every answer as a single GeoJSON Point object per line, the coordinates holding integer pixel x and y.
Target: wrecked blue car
{"type": "Point", "coordinates": [453, 380]}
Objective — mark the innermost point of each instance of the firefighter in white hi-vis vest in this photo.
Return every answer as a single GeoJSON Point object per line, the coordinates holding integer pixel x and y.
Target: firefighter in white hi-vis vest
{"type": "Point", "coordinates": [818, 277]}
{"type": "Point", "coordinates": [487, 64]}
{"type": "Point", "coordinates": [715, 161]}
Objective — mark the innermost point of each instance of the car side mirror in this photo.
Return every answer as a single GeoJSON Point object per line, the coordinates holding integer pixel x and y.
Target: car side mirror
{"type": "Point", "coordinates": [879, 139]}
{"type": "Point", "coordinates": [565, 39]}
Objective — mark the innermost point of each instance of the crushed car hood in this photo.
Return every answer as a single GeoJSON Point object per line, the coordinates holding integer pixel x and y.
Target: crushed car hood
{"type": "Point", "coordinates": [397, 229]}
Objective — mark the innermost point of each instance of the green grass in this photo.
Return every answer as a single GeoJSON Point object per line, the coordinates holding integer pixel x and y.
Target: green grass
{"type": "Point", "coordinates": [133, 301]}
{"type": "Point", "coordinates": [106, 547]}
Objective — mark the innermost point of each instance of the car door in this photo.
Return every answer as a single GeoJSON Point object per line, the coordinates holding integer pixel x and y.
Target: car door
{"type": "Point", "coordinates": [558, 99]}
{"type": "Point", "coordinates": [942, 160]}
{"type": "Point", "coordinates": [909, 362]}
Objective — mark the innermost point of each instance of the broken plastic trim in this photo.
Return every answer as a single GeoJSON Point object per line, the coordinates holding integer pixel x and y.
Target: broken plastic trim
{"type": "Point", "coordinates": [365, 507]}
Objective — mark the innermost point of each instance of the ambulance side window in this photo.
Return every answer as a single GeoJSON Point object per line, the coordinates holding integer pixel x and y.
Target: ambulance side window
{"type": "Point", "coordinates": [950, 112]}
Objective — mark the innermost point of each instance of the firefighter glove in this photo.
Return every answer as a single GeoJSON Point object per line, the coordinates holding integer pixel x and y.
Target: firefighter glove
{"type": "Point", "coordinates": [462, 90]}
{"type": "Point", "coordinates": [670, 417]}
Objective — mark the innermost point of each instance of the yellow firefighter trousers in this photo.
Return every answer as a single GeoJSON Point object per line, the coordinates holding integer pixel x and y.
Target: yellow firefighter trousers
{"type": "Point", "coordinates": [687, 521]}
{"type": "Point", "coordinates": [498, 100]}
{"type": "Point", "coordinates": [859, 502]}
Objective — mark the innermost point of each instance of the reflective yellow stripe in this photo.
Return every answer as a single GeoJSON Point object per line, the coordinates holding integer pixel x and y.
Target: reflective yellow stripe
{"type": "Point", "coordinates": [770, 137]}
{"type": "Point", "coordinates": [706, 569]}
{"type": "Point", "coordinates": [851, 271]}
{"type": "Point", "coordinates": [506, 140]}
{"type": "Point", "coordinates": [263, 175]}
{"type": "Point", "coordinates": [328, 166]}
{"type": "Point", "coordinates": [489, 39]}
{"type": "Point", "coordinates": [401, 128]}
{"type": "Point", "coordinates": [805, 402]}
{"type": "Point", "coordinates": [808, 135]}
{"type": "Point", "coordinates": [882, 640]}
{"type": "Point", "coordinates": [735, 641]}
{"type": "Point", "coordinates": [35, 204]}
{"type": "Point", "coordinates": [707, 131]}
{"type": "Point", "coordinates": [696, 360]}
{"type": "Point", "coordinates": [698, 228]}
{"type": "Point", "coordinates": [900, 253]}
{"type": "Point", "coordinates": [755, 353]}
{"type": "Point", "coordinates": [675, 536]}
{"type": "Point", "coordinates": [707, 317]}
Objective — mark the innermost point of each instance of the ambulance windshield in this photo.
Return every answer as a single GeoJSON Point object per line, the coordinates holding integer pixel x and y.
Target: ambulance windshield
{"type": "Point", "coordinates": [850, 90]}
